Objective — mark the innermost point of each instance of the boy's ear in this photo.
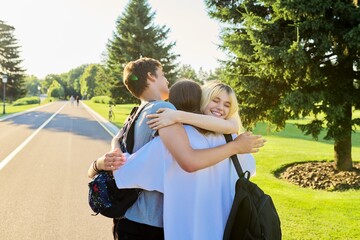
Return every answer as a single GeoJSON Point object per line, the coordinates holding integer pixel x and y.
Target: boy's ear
{"type": "Point", "coordinates": [150, 77]}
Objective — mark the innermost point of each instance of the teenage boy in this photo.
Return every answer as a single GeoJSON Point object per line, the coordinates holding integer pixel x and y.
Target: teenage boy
{"type": "Point", "coordinates": [145, 79]}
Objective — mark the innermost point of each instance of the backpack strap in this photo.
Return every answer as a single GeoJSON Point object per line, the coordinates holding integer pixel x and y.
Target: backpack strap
{"type": "Point", "coordinates": [234, 158]}
{"type": "Point", "coordinates": [127, 138]}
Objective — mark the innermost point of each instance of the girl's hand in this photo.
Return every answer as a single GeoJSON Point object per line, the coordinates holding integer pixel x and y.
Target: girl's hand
{"type": "Point", "coordinates": [111, 161]}
{"type": "Point", "coordinates": [162, 118]}
{"type": "Point", "coordinates": [248, 143]}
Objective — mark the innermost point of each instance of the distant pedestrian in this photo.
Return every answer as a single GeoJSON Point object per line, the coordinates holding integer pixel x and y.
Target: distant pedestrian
{"type": "Point", "coordinates": [77, 100]}
{"type": "Point", "coordinates": [72, 99]}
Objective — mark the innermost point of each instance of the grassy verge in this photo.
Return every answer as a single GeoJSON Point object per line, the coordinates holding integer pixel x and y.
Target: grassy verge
{"type": "Point", "coordinates": [304, 213]}
{"type": "Point", "coordinates": [10, 109]}
{"type": "Point", "coordinates": [120, 111]}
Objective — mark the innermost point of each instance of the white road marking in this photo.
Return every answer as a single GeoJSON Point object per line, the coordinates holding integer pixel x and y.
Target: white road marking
{"type": "Point", "coordinates": [5, 161]}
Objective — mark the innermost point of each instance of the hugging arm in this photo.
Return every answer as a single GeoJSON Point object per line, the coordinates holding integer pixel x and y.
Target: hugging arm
{"type": "Point", "coordinates": [192, 160]}
{"type": "Point", "coordinates": [166, 117]}
{"type": "Point", "coordinates": [110, 161]}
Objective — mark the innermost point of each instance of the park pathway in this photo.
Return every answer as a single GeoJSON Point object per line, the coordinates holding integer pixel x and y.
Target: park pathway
{"type": "Point", "coordinates": [44, 158]}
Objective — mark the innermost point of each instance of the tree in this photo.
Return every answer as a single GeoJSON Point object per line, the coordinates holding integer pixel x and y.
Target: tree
{"type": "Point", "coordinates": [186, 71]}
{"type": "Point", "coordinates": [137, 36]}
{"type": "Point", "coordinates": [10, 62]}
{"type": "Point", "coordinates": [203, 75]}
{"type": "Point", "coordinates": [73, 80]}
{"type": "Point", "coordinates": [56, 90]}
{"type": "Point", "coordinates": [94, 82]}
{"type": "Point", "coordinates": [49, 83]}
{"type": "Point", "coordinates": [290, 59]}
{"type": "Point", "coordinates": [103, 81]}
{"type": "Point", "coordinates": [217, 74]}
{"type": "Point", "coordinates": [87, 81]}
{"type": "Point", "coordinates": [32, 84]}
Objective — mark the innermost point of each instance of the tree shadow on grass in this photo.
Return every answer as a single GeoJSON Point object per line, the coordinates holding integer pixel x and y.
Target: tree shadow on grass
{"type": "Point", "coordinates": [292, 131]}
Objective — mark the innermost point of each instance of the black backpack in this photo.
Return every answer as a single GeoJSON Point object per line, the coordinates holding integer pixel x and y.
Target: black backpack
{"type": "Point", "coordinates": [104, 196]}
{"type": "Point", "coordinates": [253, 214]}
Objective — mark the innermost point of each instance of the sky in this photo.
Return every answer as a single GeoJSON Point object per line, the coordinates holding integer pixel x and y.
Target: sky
{"type": "Point", "coordinates": [56, 36]}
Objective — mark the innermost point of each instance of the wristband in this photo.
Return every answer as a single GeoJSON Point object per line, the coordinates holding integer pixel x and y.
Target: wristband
{"type": "Point", "coordinates": [95, 166]}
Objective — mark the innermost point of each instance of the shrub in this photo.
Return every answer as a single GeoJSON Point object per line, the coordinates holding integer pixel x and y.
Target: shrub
{"type": "Point", "coordinates": [26, 101]}
{"type": "Point", "coordinates": [101, 99]}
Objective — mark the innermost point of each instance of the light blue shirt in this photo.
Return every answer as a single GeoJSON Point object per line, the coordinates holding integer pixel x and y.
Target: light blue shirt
{"type": "Point", "coordinates": [148, 209]}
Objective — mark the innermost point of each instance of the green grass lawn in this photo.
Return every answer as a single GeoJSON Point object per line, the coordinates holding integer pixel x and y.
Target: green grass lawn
{"type": "Point", "coordinates": [304, 213]}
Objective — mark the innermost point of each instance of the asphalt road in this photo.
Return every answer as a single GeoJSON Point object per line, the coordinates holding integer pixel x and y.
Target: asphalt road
{"type": "Point", "coordinates": [44, 158]}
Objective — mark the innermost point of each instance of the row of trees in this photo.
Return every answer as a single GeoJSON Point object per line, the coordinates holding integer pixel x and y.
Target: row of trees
{"type": "Point", "coordinates": [135, 36]}
{"type": "Point", "coordinates": [87, 80]}
{"type": "Point", "coordinates": [91, 80]}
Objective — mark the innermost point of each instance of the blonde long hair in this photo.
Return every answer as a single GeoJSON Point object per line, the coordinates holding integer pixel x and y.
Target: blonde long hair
{"type": "Point", "coordinates": [211, 90]}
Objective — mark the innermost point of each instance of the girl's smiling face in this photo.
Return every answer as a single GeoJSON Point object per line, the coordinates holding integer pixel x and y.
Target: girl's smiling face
{"type": "Point", "coordinates": [219, 106]}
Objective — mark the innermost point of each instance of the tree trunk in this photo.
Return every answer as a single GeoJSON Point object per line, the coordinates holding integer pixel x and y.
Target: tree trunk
{"type": "Point", "coordinates": [342, 146]}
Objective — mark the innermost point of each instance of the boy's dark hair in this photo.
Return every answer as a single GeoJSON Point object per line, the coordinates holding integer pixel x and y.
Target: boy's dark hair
{"type": "Point", "coordinates": [185, 95]}
{"type": "Point", "coordinates": [136, 72]}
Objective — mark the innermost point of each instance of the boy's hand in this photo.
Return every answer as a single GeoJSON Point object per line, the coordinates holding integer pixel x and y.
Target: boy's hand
{"type": "Point", "coordinates": [248, 143]}
{"type": "Point", "coordinates": [111, 161]}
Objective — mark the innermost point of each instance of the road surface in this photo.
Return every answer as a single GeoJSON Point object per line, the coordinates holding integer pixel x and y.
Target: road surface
{"type": "Point", "coordinates": [44, 158]}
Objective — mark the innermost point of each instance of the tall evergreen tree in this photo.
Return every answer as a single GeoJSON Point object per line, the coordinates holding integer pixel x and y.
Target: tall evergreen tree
{"type": "Point", "coordinates": [137, 36]}
{"type": "Point", "coordinates": [290, 59]}
{"type": "Point", "coordinates": [10, 63]}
